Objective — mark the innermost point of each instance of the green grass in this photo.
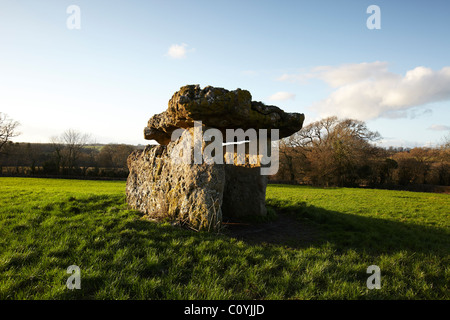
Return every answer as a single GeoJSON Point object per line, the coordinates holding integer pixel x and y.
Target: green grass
{"type": "Point", "coordinates": [47, 225]}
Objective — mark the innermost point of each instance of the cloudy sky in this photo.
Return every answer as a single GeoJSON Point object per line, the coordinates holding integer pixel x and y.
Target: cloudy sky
{"type": "Point", "coordinates": [109, 71]}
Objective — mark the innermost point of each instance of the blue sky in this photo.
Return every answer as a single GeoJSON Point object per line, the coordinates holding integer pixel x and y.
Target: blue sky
{"type": "Point", "coordinates": [316, 57]}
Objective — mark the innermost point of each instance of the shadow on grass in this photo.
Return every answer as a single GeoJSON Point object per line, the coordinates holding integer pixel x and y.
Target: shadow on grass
{"type": "Point", "coordinates": [372, 235]}
{"type": "Point", "coordinates": [302, 225]}
{"type": "Point", "coordinates": [77, 205]}
{"type": "Point", "coordinates": [164, 257]}
{"type": "Point", "coordinates": [282, 230]}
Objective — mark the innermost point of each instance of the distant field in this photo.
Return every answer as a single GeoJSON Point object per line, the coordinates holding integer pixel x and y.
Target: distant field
{"type": "Point", "coordinates": [47, 225]}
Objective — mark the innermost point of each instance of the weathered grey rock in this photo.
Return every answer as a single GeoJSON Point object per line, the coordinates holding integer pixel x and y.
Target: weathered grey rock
{"type": "Point", "coordinates": [165, 182]}
{"type": "Point", "coordinates": [244, 194]}
{"type": "Point", "coordinates": [196, 195]}
{"type": "Point", "coordinates": [219, 108]}
{"type": "Point", "coordinates": [189, 194]}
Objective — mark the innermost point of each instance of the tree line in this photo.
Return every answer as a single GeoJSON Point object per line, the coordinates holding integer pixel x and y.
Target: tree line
{"type": "Point", "coordinates": [343, 152]}
{"type": "Point", "coordinates": [329, 152]}
{"type": "Point", "coordinates": [70, 154]}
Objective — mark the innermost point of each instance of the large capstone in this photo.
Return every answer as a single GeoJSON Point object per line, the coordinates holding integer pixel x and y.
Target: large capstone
{"type": "Point", "coordinates": [221, 109]}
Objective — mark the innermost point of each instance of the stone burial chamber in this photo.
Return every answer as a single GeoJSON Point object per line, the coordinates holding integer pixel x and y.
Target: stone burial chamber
{"type": "Point", "coordinates": [214, 148]}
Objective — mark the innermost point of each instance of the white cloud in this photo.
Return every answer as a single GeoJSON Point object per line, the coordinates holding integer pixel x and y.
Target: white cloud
{"type": "Point", "coordinates": [396, 142]}
{"type": "Point", "coordinates": [339, 76]}
{"type": "Point", "coordinates": [439, 127]}
{"type": "Point", "coordinates": [279, 96]}
{"type": "Point", "coordinates": [178, 51]}
{"type": "Point", "coordinates": [369, 90]}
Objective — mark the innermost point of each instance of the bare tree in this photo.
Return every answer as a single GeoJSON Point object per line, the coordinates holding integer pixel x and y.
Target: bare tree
{"type": "Point", "coordinates": [446, 142]}
{"type": "Point", "coordinates": [7, 129]}
{"type": "Point", "coordinates": [74, 142]}
{"type": "Point", "coordinates": [329, 151]}
{"type": "Point", "coordinates": [58, 147]}
{"type": "Point", "coordinates": [68, 147]}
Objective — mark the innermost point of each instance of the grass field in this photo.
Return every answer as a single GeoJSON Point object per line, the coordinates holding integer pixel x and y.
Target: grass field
{"type": "Point", "coordinates": [47, 225]}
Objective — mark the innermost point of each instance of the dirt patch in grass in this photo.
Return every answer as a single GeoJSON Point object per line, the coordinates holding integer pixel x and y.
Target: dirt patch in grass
{"type": "Point", "coordinates": [285, 230]}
